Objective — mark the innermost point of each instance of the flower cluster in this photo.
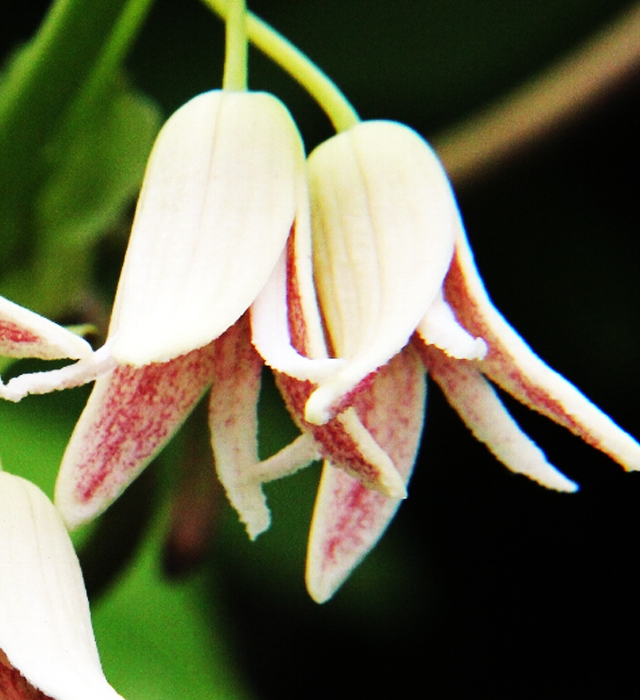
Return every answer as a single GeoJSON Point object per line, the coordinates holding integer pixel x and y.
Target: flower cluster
{"type": "Point", "coordinates": [348, 273]}
{"type": "Point", "coordinates": [351, 277]}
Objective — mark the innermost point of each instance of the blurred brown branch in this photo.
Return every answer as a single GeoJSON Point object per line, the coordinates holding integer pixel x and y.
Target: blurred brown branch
{"type": "Point", "coordinates": [548, 102]}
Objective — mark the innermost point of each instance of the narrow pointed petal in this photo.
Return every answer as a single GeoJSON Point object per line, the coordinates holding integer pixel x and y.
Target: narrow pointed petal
{"type": "Point", "coordinates": [82, 372]}
{"type": "Point", "coordinates": [270, 332]}
{"type": "Point", "coordinates": [45, 626]}
{"type": "Point", "coordinates": [489, 421]}
{"type": "Point", "coordinates": [512, 365]}
{"type": "Point", "coordinates": [383, 215]}
{"type": "Point", "coordinates": [346, 442]}
{"type": "Point", "coordinates": [131, 414]}
{"type": "Point", "coordinates": [233, 422]}
{"type": "Point", "coordinates": [440, 328]}
{"type": "Point", "coordinates": [348, 518]}
{"type": "Point", "coordinates": [24, 333]}
{"type": "Point", "coordinates": [217, 204]}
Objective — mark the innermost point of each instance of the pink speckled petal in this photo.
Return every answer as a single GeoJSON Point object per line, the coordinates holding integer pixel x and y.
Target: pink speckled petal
{"type": "Point", "coordinates": [512, 365]}
{"type": "Point", "coordinates": [348, 518]}
{"type": "Point", "coordinates": [24, 333]}
{"type": "Point", "coordinates": [483, 412]}
{"type": "Point", "coordinates": [130, 416]}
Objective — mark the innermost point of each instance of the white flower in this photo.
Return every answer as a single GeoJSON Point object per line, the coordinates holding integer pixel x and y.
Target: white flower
{"type": "Point", "coordinates": [46, 637]}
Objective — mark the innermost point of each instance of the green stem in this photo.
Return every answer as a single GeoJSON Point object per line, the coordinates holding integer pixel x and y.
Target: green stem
{"type": "Point", "coordinates": [235, 62]}
{"type": "Point", "coordinates": [325, 92]}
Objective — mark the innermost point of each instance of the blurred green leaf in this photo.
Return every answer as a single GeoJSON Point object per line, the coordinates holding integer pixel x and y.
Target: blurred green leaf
{"type": "Point", "coordinates": [161, 639]}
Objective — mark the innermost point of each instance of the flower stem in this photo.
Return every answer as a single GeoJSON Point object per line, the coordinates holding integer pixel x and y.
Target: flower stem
{"type": "Point", "coordinates": [324, 91]}
{"type": "Point", "coordinates": [235, 61]}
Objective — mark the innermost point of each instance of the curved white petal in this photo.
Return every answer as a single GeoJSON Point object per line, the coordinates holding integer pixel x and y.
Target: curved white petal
{"type": "Point", "coordinates": [45, 626]}
{"type": "Point", "coordinates": [480, 408]}
{"type": "Point", "coordinates": [217, 204]}
{"type": "Point", "coordinates": [271, 337]}
{"type": "Point", "coordinates": [24, 333]}
{"type": "Point", "coordinates": [439, 327]}
{"type": "Point", "coordinates": [383, 215]}
{"type": "Point", "coordinates": [86, 370]}
{"type": "Point", "coordinates": [513, 366]}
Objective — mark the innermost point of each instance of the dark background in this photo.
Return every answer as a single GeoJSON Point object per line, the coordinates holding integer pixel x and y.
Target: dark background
{"type": "Point", "coordinates": [485, 582]}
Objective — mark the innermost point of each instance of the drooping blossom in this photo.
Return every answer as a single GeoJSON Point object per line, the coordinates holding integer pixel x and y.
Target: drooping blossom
{"type": "Point", "coordinates": [47, 647]}
{"type": "Point", "coordinates": [395, 277]}
{"type": "Point", "coordinates": [223, 187]}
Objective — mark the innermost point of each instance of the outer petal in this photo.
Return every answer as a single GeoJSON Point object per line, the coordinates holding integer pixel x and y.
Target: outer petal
{"type": "Point", "coordinates": [349, 518]}
{"type": "Point", "coordinates": [24, 333]}
{"type": "Point", "coordinates": [217, 203]}
{"type": "Point", "coordinates": [514, 367]}
{"type": "Point", "coordinates": [234, 424]}
{"type": "Point", "coordinates": [130, 416]}
{"type": "Point", "coordinates": [383, 216]}
{"type": "Point", "coordinates": [45, 627]}
{"type": "Point", "coordinates": [480, 408]}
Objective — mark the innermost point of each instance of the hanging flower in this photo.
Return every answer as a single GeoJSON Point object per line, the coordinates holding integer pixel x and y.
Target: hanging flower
{"type": "Point", "coordinates": [395, 278]}
{"type": "Point", "coordinates": [47, 647]}
{"type": "Point", "coordinates": [222, 190]}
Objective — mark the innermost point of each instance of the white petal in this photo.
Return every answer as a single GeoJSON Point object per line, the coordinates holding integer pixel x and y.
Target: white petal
{"type": "Point", "coordinates": [45, 626]}
{"type": "Point", "coordinates": [383, 215]}
{"type": "Point", "coordinates": [483, 412]}
{"type": "Point", "coordinates": [270, 332]}
{"type": "Point", "coordinates": [217, 204]}
{"type": "Point", "coordinates": [82, 372]}
{"type": "Point", "coordinates": [439, 327]}
{"type": "Point", "coordinates": [24, 333]}
{"type": "Point", "coordinates": [512, 364]}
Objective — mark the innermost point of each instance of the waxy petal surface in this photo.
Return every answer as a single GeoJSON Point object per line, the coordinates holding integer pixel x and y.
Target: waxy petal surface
{"type": "Point", "coordinates": [513, 366]}
{"type": "Point", "coordinates": [130, 416]}
{"type": "Point", "coordinates": [383, 233]}
{"type": "Point", "coordinates": [45, 626]}
{"type": "Point", "coordinates": [219, 197]}
{"type": "Point", "coordinates": [24, 333]}
{"type": "Point", "coordinates": [349, 518]}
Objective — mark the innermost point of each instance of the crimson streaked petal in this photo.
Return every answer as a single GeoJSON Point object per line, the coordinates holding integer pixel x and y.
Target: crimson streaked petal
{"type": "Point", "coordinates": [480, 408]}
{"type": "Point", "coordinates": [513, 366]}
{"type": "Point", "coordinates": [349, 518]}
{"type": "Point", "coordinates": [24, 333]}
{"type": "Point", "coordinates": [130, 416]}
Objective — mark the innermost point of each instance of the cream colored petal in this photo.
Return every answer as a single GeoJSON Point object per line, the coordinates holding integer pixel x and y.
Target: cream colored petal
{"type": "Point", "coordinates": [512, 365]}
{"type": "Point", "coordinates": [24, 333]}
{"type": "Point", "coordinates": [233, 422]}
{"type": "Point", "coordinates": [45, 626]}
{"type": "Point", "coordinates": [82, 372]}
{"type": "Point", "coordinates": [218, 201]}
{"type": "Point", "coordinates": [130, 416]}
{"type": "Point", "coordinates": [271, 336]}
{"type": "Point", "coordinates": [349, 518]}
{"type": "Point", "coordinates": [489, 421]}
{"type": "Point", "coordinates": [440, 328]}
{"type": "Point", "coordinates": [383, 216]}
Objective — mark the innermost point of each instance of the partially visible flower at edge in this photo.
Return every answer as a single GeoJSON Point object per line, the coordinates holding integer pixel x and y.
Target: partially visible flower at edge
{"type": "Point", "coordinates": [47, 647]}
